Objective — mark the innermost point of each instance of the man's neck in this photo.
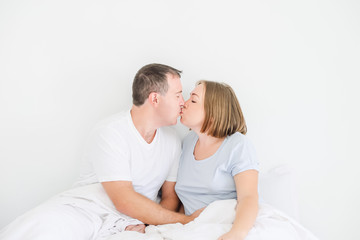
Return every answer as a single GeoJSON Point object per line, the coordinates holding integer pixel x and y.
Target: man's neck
{"type": "Point", "coordinates": [142, 118]}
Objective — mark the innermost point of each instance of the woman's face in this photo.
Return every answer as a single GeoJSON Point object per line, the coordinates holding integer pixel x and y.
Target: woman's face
{"type": "Point", "coordinates": [193, 113]}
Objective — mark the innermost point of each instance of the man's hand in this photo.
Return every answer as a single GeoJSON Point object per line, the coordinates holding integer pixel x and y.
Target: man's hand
{"type": "Point", "coordinates": [137, 228]}
{"type": "Point", "coordinates": [196, 213]}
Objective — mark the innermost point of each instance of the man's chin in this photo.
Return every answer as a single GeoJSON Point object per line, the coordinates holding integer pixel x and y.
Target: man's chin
{"type": "Point", "coordinates": [182, 121]}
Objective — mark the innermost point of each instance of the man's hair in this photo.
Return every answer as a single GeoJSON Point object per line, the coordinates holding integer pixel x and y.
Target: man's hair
{"type": "Point", "coordinates": [223, 115]}
{"type": "Point", "coordinates": [151, 78]}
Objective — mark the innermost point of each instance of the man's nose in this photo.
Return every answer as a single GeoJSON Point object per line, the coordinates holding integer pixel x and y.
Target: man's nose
{"type": "Point", "coordinates": [182, 101]}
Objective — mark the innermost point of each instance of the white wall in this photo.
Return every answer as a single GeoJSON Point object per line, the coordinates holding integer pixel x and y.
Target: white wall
{"type": "Point", "coordinates": [294, 64]}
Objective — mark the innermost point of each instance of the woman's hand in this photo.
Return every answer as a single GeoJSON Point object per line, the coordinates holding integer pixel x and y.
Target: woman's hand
{"type": "Point", "coordinates": [232, 236]}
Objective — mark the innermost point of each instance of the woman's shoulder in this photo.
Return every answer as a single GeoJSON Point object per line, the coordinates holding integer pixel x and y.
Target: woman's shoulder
{"type": "Point", "coordinates": [237, 138]}
{"type": "Point", "coordinates": [238, 141]}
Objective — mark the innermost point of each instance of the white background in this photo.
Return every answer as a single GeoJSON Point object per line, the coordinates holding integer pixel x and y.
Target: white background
{"type": "Point", "coordinates": [294, 65]}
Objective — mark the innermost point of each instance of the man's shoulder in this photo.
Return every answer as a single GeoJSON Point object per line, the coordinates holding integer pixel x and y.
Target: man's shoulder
{"type": "Point", "coordinates": [116, 124]}
{"type": "Point", "coordinates": [116, 120]}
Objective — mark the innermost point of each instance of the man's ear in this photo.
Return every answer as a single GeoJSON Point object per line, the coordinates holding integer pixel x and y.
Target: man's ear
{"type": "Point", "coordinates": [153, 98]}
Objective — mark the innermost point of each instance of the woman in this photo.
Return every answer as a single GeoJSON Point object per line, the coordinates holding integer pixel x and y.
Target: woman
{"type": "Point", "coordinates": [218, 162]}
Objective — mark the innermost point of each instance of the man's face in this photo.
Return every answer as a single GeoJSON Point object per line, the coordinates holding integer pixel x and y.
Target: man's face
{"type": "Point", "coordinates": [171, 103]}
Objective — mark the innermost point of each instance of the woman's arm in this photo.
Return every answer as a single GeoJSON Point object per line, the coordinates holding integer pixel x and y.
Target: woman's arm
{"type": "Point", "coordinates": [169, 199]}
{"type": "Point", "coordinates": [247, 205]}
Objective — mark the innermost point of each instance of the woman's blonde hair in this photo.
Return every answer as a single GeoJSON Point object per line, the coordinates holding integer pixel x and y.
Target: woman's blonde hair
{"type": "Point", "coordinates": [223, 115]}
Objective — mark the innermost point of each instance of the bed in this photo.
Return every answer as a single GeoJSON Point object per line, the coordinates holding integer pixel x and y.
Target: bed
{"type": "Point", "coordinates": [277, 218]}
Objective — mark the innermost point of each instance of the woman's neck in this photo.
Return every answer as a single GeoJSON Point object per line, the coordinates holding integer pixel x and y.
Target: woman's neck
{"type": "Point", "coordinates": [206, 146]}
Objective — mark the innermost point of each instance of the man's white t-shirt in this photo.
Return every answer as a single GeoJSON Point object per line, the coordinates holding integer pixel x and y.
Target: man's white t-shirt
{"type": "Point", "coordinates": [117, 152]}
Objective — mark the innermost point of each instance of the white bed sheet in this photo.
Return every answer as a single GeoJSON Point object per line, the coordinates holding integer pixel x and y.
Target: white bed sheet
{"type": "Point", "coordinates": [217, 218]}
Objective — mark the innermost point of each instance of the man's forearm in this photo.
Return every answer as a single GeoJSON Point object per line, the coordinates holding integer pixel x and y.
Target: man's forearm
{"type": "Point", "coordinates": [135, 205]}
{"type": "Point", "coordinates": [149, 212]}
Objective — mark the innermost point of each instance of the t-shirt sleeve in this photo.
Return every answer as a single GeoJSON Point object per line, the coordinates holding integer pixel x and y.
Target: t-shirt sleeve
{"type": "Point", "coordinates": [175, 165]}
{"type": "Point", "coordinates": [243, 158]}
{"type": "Point", "coordinates": [107, 153]}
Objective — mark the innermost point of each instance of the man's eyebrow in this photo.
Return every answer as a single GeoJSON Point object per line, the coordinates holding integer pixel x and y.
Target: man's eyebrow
{"type": "Point", "coordinates": [179, 92]}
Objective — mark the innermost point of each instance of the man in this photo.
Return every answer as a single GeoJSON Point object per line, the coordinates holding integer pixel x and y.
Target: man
{"type": "Point", "coordinates": [129, 158]}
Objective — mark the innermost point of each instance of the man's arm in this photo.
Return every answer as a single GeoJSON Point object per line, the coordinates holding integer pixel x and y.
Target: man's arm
{"type": "Point", "coordinates": [135, 205]}
{"type": "Point", "coordinates": [169, 199]}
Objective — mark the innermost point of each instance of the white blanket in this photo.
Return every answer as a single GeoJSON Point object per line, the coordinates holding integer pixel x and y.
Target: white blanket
{"type": "Point", "coordinates": [217, 218]}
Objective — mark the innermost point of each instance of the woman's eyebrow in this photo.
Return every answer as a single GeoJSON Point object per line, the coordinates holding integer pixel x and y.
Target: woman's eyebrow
{"type": "Point", "coordinates": [191, 94]}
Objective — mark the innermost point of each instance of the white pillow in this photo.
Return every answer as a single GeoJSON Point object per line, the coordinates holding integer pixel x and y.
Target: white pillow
{"type": "Point", "coordinates": [277, 187]}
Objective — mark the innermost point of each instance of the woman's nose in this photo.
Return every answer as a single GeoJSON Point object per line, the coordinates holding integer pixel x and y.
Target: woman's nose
{"type": "Point", "coordinates": [186, 103]}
